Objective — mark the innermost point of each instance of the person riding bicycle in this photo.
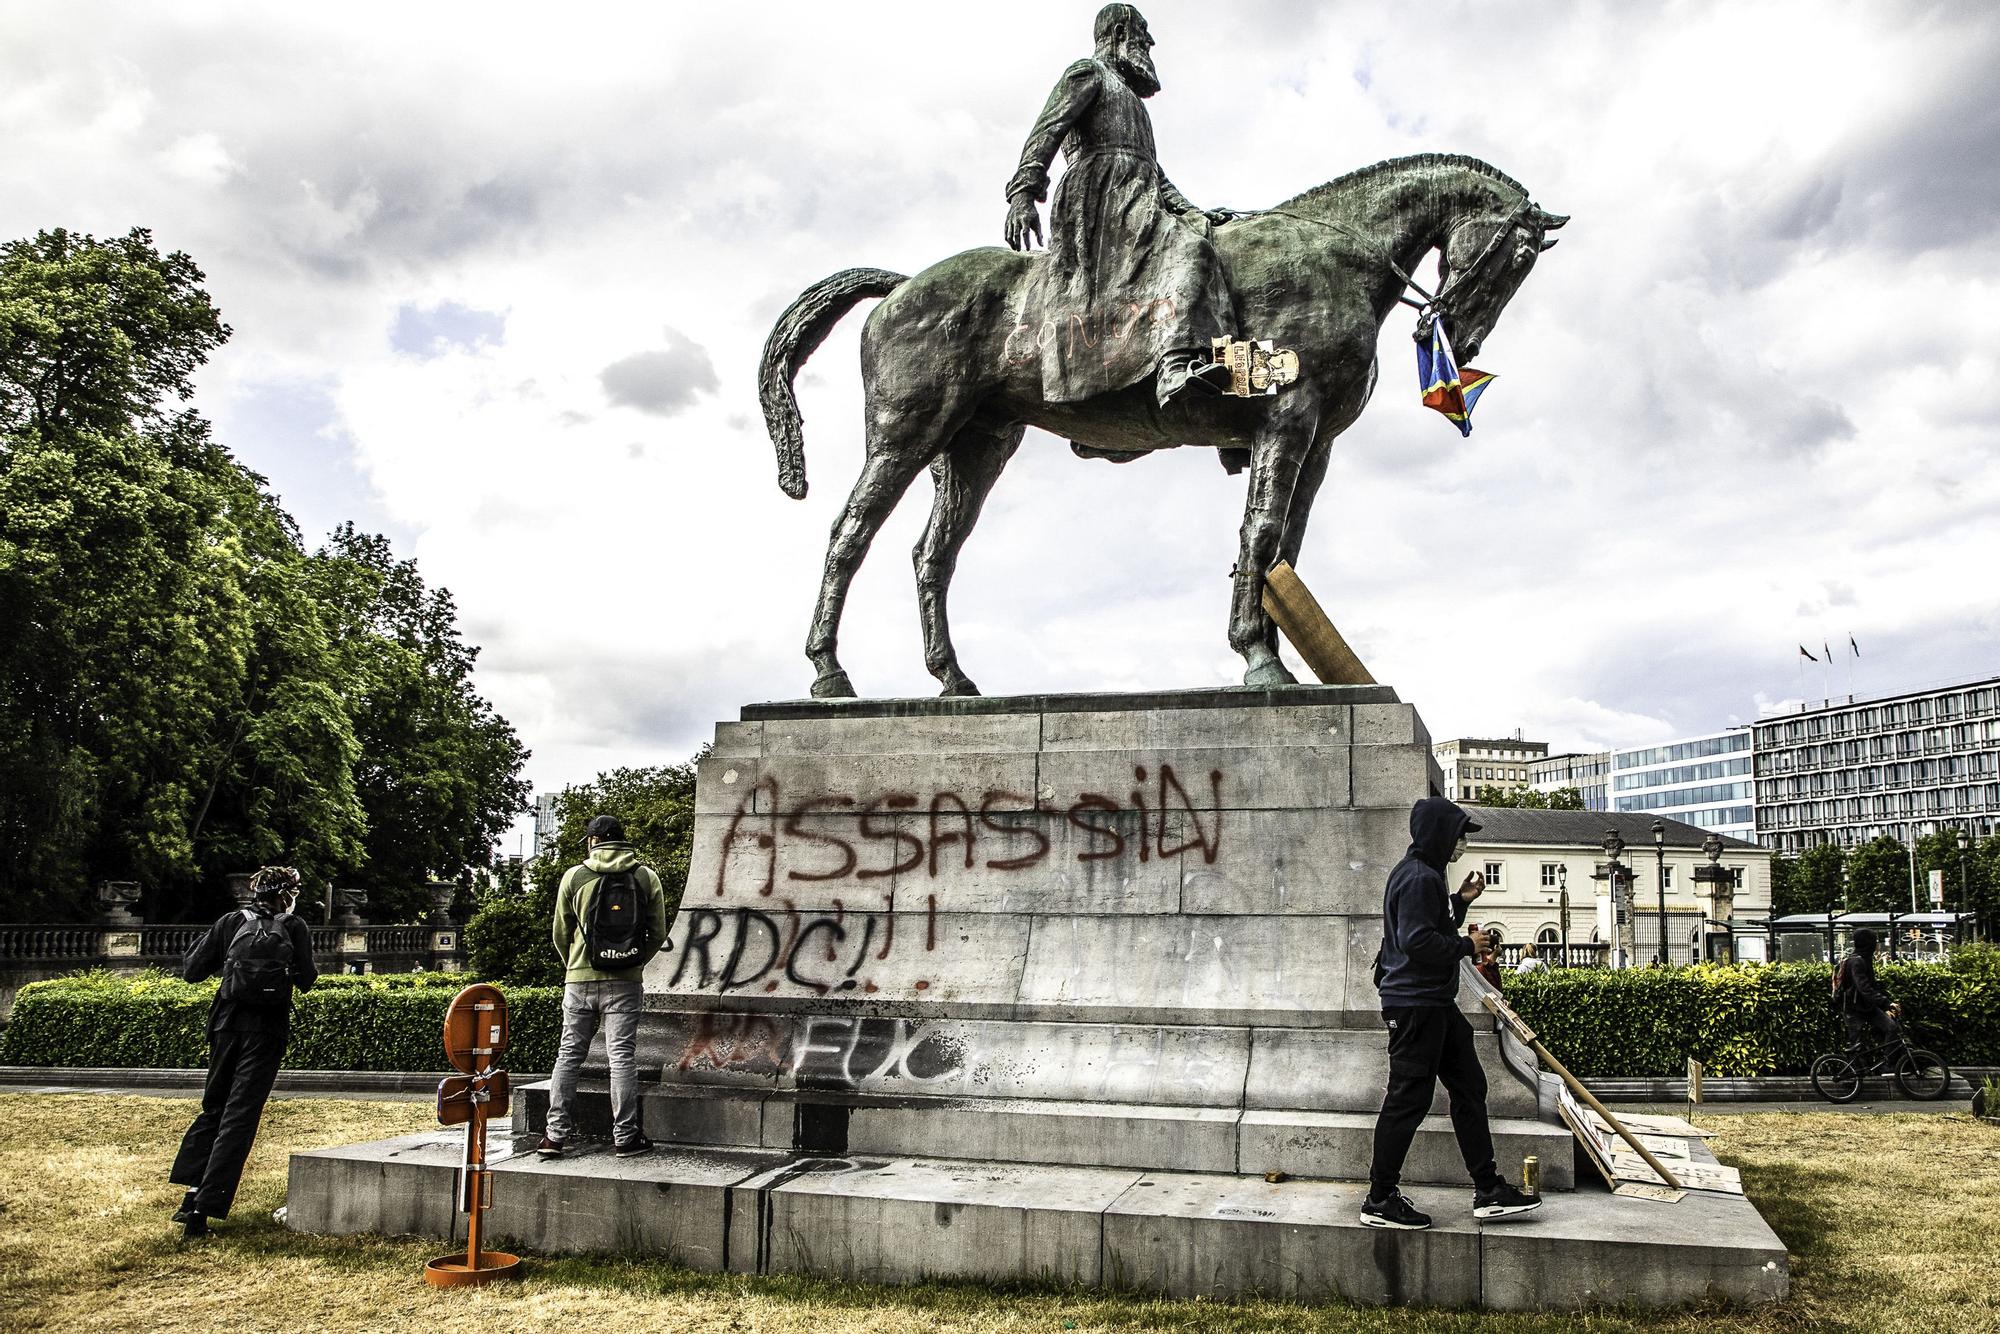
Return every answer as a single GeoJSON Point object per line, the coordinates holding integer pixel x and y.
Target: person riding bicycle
{"type": "Point", "coordinates": [1862, 1002]}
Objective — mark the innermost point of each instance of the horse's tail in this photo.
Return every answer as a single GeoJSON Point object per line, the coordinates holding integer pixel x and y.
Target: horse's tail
{"type": "Point", "coordinates": [797, 334]}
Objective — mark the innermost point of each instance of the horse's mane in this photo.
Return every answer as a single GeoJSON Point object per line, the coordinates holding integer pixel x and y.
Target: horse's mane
{"type": "Point", "coordinates": [1368, 174]}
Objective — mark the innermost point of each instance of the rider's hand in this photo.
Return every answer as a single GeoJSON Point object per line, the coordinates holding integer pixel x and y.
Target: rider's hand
{"type": "Point", "coordinates": [1482, 944]}
{"type": "Point", "coordinates": [1024, 224]}
{"type": "Point", "coordinates": [1895, 1009]}
{"type": "Point", "coordinates": [1474, 886]}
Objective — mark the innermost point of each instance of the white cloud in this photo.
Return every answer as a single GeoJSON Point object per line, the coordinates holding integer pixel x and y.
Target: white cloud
{"type": "Point", "coordinates": [1748, 402]}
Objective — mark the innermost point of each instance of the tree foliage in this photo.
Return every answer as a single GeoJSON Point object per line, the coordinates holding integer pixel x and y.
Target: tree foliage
{"type": "Point", "coordinates": [184, 691]}
{"type": "Point", "coordinates": [1528, 799]}
{"type": "Point", "coordinates": [508, 936]}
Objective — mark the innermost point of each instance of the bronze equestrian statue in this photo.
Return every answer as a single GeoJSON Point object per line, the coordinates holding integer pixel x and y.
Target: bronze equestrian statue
{"type": "Point", "coordinates": [957, 361]}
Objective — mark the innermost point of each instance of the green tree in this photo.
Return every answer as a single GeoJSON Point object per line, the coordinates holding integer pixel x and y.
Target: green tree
{"type": "Point", "coordinates": [1878, 876]}
{"type": "Point", "coordinates": [184, 692]}
{"type": "Point", "coordinates": [1527, 798]}
{"type": "Point", "coordinates": [508, 936]}
{"type": "Point", "coordinates": [1807, 883]}
{"type": "Point", "coordinates": [437, 773]}
{"type": "Point", "coordinates": [124, 632]}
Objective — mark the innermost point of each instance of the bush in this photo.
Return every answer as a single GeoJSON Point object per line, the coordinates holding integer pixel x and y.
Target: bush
{"type": "Point", "coordinates": [507, 940]}
{"type": "Point", "coordinates": [1746, 1019]}
{"type": "Point", "coordinates": [390, 1021]}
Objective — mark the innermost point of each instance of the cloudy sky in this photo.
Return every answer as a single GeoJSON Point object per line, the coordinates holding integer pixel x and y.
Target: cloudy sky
{"type": "Point", "coordinates": [499, 276]}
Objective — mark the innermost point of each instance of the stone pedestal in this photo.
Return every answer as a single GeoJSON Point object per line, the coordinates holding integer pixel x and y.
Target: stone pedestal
{"type": "Point", "coordinates": [1106, 929]}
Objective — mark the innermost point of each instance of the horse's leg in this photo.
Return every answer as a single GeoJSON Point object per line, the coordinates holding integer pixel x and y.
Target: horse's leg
{"type": "Point", "coordinates": [962, 476]}
{"type": "Point", "coordinates": [1275, 464]}
{"type": "Point", "coordinates": [1312, 473]}
{"type": "Point", "coordinates": [899, 444]}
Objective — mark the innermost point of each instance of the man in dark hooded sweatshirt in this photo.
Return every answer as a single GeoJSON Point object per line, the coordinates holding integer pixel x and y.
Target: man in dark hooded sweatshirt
{"type": "Point", "coordinates": [1429, 1040]}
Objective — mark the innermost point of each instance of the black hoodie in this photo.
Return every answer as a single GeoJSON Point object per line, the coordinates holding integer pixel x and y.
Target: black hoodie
{"type": "Point", "coordinates": [1421, 943]}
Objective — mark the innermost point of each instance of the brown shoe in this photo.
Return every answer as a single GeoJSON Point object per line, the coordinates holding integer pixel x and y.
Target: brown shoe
{"type": "Point", "coordinates": [549, 1148]}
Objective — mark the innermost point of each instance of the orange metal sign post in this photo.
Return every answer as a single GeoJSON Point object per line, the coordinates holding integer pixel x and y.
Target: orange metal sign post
{"type": "Point", "coordinates": [475, 1037]}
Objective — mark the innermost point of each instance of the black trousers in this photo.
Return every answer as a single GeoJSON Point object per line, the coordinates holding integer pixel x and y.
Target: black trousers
{"type": "Point", "coordinates": [241, 1069]}
{"type": "Point", "coordinates": [1428, 1043]}
{"type": "Point", "coordinates": [1888, 1033]}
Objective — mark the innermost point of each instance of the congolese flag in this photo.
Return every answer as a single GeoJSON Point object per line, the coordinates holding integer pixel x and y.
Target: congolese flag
{"type": "Point", "coordinates": [1445, 388]}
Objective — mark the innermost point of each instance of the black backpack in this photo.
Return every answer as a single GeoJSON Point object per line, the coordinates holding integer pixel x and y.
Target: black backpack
{"type": "Point", "coordinates": [616, 934]}
{"type": "Point", "coordinates": [257, 966]}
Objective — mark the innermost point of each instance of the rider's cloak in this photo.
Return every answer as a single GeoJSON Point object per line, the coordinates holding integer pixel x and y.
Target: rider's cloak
{"type": "Point", "coordinates": [1129, 273]}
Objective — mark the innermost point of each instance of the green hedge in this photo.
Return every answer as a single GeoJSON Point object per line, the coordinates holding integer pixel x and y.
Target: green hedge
{"type": "Point", "coordinates": [1746, 1019]}
{"type": "Point", "coordinates": [391, 1021]}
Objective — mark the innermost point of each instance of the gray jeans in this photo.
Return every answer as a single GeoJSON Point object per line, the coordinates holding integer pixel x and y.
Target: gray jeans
{"type": "Point", "coordinates": [585, 1004]}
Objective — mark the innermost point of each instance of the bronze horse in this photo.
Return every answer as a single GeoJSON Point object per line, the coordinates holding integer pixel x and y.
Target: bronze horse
{"type": "Point", "coordinates": [952, 375]}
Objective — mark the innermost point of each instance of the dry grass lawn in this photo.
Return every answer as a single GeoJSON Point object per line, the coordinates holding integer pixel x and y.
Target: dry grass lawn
{"type": "Point", "coordinates": [1893, 1223]}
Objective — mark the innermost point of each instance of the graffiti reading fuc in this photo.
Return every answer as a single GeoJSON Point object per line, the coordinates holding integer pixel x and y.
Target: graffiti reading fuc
{"type": "Point", "coordinates": [998, 830]}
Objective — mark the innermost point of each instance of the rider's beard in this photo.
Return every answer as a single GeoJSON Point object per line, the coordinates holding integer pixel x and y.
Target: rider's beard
{"type": "Point", "coordinates": [1134, 64]}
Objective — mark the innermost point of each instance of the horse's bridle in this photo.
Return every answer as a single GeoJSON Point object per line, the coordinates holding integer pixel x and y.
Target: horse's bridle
{"type": "Point", "coordinates": [1433, 306]}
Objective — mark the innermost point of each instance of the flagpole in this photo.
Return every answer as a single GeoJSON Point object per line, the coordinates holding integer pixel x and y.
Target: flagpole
{"type": "Point", "coordinates": [1826, 669]}
{"type": "Point", "coordinates": [1852, 653]}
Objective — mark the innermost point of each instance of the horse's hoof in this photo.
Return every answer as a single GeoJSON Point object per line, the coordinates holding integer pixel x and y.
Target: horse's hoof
{"type": "Point", "coordinates": [1272, 673]}
{"type": "Point", "coordinates": [833, 685]}
{"type": "Point", "coordinates": [958, 687]}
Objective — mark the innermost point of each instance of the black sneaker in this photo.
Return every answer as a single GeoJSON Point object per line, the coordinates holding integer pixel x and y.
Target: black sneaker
{"type": "Point", "coordinates": [187, 1209]}
{"type": "Point", "coordinates": [194, 1227]}
{"type": "Point", "coordinates": [1503, 1201]}
{"type": "Point", "coordinates": [549, 1148]}
{"type": "Point", "coordinates": [632, 1148]}
{"type": "Point", "coordinates": [1396, 1211]}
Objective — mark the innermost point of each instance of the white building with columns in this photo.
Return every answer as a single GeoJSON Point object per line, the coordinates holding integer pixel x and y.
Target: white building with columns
{"type": "Point", "coordinates": [1529, 857]}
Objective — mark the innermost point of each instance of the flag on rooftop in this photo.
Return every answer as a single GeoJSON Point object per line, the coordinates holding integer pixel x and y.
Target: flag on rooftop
{"type": "Point", "coordinates": [1807, 652]}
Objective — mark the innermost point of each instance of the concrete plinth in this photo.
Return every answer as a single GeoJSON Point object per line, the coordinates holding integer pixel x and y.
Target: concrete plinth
{"type": "Point", "coordinates": [901, 1219]}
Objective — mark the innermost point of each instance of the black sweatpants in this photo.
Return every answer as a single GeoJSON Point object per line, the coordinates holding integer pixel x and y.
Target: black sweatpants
{"type": "Point", "coordinates": [241, 1069]}
{"type": "Point", "coordinates": [1887, 1032]}
{"type": "Point", "coordinates": [1428, 1043]}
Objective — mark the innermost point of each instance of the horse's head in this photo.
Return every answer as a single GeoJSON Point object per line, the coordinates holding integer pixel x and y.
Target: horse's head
{"type": "Point", "coordinates": [1485, 259]}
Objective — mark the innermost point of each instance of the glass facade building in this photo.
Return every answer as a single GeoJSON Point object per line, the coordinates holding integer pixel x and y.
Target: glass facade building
{"type": "Point", "coordinates": [1904, 765]}
{"type": "Point", "coordinates": [1588, 773]}
{"type": "Point", "coordinates": [1706, 781]}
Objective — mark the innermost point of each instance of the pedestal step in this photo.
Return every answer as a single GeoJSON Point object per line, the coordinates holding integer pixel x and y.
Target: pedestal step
{"type": "Point", "coordinates": [902, 1219]}
{"type": "Point", "coordinates": [1024, 1130]}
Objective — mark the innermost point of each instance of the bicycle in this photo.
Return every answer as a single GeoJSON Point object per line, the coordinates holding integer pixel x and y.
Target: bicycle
{"type": "Point", "coordinates": [1922, 1075]}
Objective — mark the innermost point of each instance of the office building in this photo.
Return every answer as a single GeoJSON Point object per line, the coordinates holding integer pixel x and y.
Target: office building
{"type": "Point", "coordinates": [1904, 765]}
{"type": "Point", "coordinates": [545, 821]}
{"type": "Point", "coordinates": [1588, 772]}
{"type": "Point", "coordinates": [1473, 766]}
{"type": "Point", "coordinates": [1705, 781]}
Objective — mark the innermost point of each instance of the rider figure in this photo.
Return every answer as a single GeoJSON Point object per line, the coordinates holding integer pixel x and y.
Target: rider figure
{"type": "Point", "coordinates": [1863, 1004]}
{"type": "Point", "coordinates": [1131, 286]}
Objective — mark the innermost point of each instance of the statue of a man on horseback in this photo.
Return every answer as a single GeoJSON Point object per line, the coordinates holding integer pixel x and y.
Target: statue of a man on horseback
{"type": "Point", "coordinates": [1096, 340]}
{"type": "Point", "coordinates": [1131, 285]}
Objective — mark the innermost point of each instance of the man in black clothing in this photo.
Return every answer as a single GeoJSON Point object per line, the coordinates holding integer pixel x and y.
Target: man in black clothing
{"type": "Point", "coordinates": [248, 1025]}
{"type": "Point", "coordinates": [1863, 1004]}
{"type": "Point", "coordinates": [1429, 1040]}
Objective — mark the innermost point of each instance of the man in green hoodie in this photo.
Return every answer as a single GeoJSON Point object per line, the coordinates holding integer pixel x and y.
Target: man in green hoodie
{"type": "Point", "coordinates": [610, 997]}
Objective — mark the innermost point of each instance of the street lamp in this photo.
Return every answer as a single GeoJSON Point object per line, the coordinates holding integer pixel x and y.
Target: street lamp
{"type": "Point", "coordinates": [1621, 917]}
{"type": "Point", "coordinates": [1562, 880]}
{"type": "Point", "coordinates": [1660, 850]}
{"type": "Point", "coordinates": [1964, 881]}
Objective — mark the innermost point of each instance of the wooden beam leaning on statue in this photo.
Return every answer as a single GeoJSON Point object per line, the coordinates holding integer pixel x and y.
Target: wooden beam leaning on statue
{"type": "Point", "coordinates": [1288, 602]}
{"type": "Point", "coordinates": [1519, 1027]}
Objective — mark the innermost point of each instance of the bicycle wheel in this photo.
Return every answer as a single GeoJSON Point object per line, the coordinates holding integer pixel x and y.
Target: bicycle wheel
{"type": "Point", "coordinates": [1836, 1078]}
{"type": "Point", "coordinates": [1922, 1075]}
